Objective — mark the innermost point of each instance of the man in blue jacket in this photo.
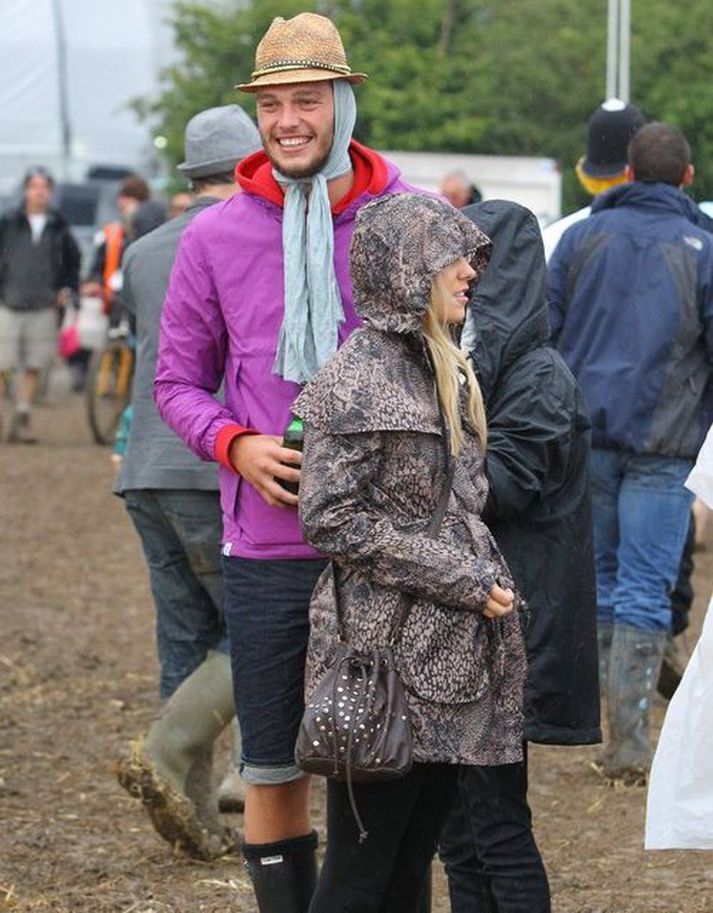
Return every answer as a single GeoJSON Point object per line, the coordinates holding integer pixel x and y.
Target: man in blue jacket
{"type": "Point", "coordinates": [631, 308]}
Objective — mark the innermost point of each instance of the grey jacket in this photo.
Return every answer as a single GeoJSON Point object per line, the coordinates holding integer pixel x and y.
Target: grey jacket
{"type": "Point", "coordinates": [155, 456]}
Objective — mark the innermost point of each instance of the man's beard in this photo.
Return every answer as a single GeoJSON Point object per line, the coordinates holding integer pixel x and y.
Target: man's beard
{"type": "Point", "coordinates": [300, 173]}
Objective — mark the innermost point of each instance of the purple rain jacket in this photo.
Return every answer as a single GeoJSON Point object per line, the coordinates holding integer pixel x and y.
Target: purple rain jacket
{"type": "Point", "coordinates": [220, 324]}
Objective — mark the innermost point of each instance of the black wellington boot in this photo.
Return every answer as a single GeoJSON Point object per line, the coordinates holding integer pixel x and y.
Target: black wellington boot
{"type": "Point", "coordinates": [284, 874]}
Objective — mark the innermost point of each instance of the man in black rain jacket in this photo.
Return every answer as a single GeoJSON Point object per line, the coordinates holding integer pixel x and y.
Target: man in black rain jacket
{"type": "Point", "coordinates": [39, 272]}
{"type": "Point", "coordinates": [539, 512]}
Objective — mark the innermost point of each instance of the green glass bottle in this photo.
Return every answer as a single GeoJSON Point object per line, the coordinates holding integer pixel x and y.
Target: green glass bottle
{"type": "Point", "coordinates": [294, 439]}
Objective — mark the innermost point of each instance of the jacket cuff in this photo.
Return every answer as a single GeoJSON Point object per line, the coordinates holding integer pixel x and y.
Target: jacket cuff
{"type": "Point", "coordinates": [224, 439]}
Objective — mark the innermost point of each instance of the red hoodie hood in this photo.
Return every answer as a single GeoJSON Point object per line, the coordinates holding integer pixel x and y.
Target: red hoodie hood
{"type": "Point", "coordinates": [371, 175]}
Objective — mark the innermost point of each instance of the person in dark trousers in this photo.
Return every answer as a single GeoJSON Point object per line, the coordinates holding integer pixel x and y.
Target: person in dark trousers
{"type": "Point", "coordinates": [373, 473]}
{"type": "Point", "coordinates": [631, 307]}
{"type": "Point", "coordinates": [174, 503]}
{"type": "Point", "coordinates": [538, 509]}
{"type": "Point", "coordinates": [39, 272]}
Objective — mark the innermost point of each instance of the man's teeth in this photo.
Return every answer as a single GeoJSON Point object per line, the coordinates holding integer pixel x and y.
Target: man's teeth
{"type": "Point", "coordinates": [296, 141]}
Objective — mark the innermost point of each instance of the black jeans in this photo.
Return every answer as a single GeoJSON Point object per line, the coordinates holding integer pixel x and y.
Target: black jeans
{"type": "Point", "coordinates": [386, 873]}
{"type": "Point", "coordinates": [488, 847]}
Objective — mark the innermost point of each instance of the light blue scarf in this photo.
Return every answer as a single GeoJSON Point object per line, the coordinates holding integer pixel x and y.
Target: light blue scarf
{"type": "Point", "coordinates": [313, 305]}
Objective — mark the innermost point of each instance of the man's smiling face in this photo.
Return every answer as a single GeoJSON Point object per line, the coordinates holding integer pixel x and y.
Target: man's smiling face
{"type": "Point", "coordinates": [296, 124]}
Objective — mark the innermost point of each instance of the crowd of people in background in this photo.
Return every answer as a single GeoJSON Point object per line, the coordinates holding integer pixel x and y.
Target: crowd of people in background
{"type": "Point", "coordinates": [43, 282]}
{"type": "Point", "coordinates": [489, 485]}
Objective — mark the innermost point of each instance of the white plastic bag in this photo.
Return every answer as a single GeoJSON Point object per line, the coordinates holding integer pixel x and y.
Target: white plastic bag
{"type": "Point", "coordinates": [92, 323]}
{"type": "Point", "coordinates": [679, 812]}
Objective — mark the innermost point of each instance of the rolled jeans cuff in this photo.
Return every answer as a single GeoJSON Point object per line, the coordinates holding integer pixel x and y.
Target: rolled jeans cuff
{"type": "Point", "coordinates": [254, 775]}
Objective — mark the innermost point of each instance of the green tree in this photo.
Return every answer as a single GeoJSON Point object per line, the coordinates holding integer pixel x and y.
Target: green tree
{"type": "Point", "coordinates": [509, 77]}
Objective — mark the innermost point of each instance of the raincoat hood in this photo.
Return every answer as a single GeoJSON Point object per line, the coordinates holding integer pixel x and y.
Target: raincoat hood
{"type": "Point", "coordinates": [508, 310]}
{"type": "Point", "coordinates": [400, 243]}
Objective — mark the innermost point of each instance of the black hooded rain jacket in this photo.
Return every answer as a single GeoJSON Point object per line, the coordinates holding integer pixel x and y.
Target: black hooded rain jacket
{"type": "Point", "coordinates": [537, 464]}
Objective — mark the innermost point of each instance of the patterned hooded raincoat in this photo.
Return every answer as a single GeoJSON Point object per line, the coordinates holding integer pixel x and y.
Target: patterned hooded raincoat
{"type": "Point", "coordinates": [373, 472]}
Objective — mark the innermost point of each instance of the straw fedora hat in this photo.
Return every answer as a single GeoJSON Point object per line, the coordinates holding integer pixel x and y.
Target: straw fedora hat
{"type": "Point", "coordinates": [306, 48]}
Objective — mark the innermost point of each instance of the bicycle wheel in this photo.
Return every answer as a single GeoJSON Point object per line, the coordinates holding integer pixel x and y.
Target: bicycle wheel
{"type": "Point", "coordinates": [108, 390]}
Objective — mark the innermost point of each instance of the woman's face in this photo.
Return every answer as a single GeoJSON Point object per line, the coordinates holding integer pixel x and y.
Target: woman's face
{"type": "Point", "coordinates": [450, 288]}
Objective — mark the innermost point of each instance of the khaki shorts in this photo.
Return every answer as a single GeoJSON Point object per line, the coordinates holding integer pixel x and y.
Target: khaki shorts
{"type": "Point", "coordinates": [28, 339]}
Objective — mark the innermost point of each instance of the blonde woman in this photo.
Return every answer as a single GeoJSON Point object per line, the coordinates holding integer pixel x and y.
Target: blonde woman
{"type": "Point", "coordinates": [384, 420]}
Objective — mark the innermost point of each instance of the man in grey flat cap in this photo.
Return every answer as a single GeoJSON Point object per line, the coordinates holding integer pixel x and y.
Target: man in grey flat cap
{"type": "Point", "coordinates": [173, 501]}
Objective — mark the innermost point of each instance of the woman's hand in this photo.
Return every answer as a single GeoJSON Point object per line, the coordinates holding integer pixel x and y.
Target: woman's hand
{"type": "Point", "coordinates": [500, 602]}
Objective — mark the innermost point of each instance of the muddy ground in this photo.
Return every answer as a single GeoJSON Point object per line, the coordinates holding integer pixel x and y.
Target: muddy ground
{"type": "Point", "coordinates": [78, 679]}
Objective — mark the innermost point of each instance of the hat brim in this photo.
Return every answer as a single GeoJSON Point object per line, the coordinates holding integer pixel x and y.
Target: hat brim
{"type": "Point", "coordinates": [607, 170]}
{"type": "Point", "coordinates": [205, 169]}
{"type": "Point", "coordinates": [288, 77]}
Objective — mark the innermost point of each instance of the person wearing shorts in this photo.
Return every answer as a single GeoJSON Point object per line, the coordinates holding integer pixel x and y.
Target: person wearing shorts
{"type": "Point", "coordinates": [259, 299]}
{"type": "Point", "coordinates": [39, 269]}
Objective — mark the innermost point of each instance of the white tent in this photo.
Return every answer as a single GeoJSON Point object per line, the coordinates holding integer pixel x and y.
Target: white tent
{"type": "Point", "coordinates": [68, 69]}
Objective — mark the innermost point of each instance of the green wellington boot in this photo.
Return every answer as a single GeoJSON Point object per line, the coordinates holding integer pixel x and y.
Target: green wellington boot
{"type": "Point", "coordinates": [605, 633]}
{"type": "Point", "coordinates": [634, 667]}
{"type": "Point", "coordinates": [604, 639]}
{"type": "Point", "coordinates": [231, 792]}
{"type": "Point", "coordinates": [171, 769]}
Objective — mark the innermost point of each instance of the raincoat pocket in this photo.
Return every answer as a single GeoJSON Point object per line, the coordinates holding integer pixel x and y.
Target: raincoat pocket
{"type": "Point", "coordinates": [442, 654]}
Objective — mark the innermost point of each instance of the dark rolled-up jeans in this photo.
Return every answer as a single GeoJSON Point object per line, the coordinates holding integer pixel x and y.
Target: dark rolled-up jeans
{"type": "Point", "coordinates": [267, 611]}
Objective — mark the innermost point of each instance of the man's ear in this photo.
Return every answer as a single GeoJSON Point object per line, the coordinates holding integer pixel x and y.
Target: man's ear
{"type": "Point", "coordinates": [688, 176]}
{"type": "Point", "coordinates": [629, 172]}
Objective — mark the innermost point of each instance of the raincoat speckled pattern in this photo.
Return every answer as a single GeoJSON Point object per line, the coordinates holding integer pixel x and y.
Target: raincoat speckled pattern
{"type": "Point", "coordinates": [374, 469]}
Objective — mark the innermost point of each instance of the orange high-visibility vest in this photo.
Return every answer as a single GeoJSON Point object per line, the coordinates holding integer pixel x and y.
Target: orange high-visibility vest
{"type": "Point", "coordinates": [114, 241]}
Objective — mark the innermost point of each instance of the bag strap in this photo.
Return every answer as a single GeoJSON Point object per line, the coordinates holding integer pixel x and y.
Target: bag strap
{"type": "Point", "coordinates": [434, 528]}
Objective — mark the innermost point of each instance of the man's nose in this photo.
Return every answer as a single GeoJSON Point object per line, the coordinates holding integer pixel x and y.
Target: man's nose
{"type": "Point", "coordinates": [288, 117]}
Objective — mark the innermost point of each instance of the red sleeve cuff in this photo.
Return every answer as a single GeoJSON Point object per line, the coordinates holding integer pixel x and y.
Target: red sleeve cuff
{"type": "Point", "coordinates": [225, 438]}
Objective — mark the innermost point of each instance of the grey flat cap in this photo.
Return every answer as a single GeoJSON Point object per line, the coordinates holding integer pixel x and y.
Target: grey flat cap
{"type": "Point", "coordinates": [216, 140]}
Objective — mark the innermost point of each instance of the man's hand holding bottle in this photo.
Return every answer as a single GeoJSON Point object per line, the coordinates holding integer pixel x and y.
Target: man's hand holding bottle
{"type": "Point", "coordinates": [263, 461]}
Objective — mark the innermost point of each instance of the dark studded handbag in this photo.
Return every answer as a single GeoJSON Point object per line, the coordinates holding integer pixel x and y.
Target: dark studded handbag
{"type": "Point", "coordinates": [357, 725]}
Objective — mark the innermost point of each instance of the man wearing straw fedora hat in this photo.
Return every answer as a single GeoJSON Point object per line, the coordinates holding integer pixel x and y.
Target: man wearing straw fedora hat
{"type": "Point", "coordinates": [259, 299]}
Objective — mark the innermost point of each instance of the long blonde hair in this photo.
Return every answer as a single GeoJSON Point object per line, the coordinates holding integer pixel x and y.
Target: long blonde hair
{"type": "Point", "coordinates": [448, 363]}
